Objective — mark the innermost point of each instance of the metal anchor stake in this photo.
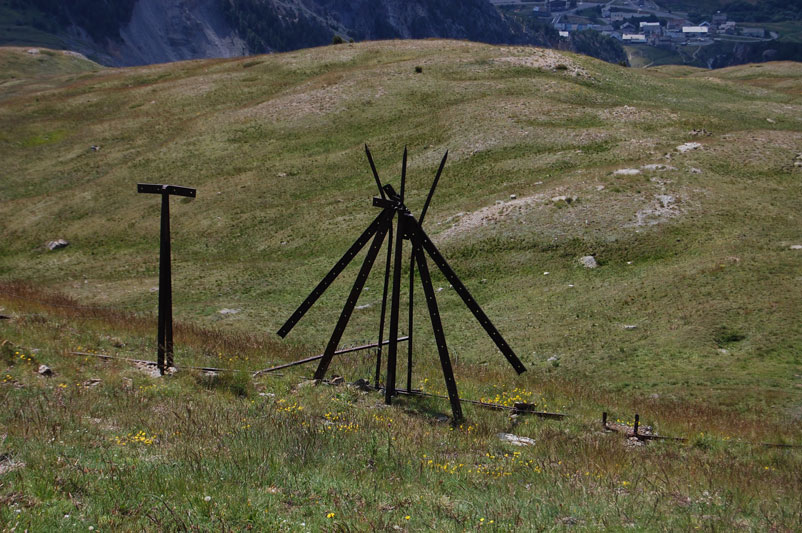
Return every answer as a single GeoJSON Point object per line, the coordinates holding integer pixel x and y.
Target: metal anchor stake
{"type": "Point", "coordinates": [408, 228]}
{"type": "Point", "coordinates": [164, 338]}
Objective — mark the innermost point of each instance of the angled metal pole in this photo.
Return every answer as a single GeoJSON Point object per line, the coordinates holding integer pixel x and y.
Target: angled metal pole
{"type": "Point", "coordinates": [440, 338]}
{"type": "Point", "coordinates": [384, 304]}
{"type": "Point", "coordinates": [426, 243]}
{"type": "Point", "coordinates": [332, 275]}
{"type": "Point", "coordinates": [395, 305]}
{"type": "Point", "coordinates": [431, 191]}
{"type": "Point", "coordinates": [403, 175]}
{"type": "Point", "coordinates": [415, 251]}
{"type": "Point", "coordinates": [375, 173]}
{"type": "Point", "coordinates": [353, 297]}
{"type": "Point", "coordinates": [411, 315]}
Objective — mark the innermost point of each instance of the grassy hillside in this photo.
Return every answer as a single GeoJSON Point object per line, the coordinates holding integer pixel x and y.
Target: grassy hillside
{"type": "Point", "coordinates": [34, 69]}
{"type": "Point", "coordinates": [693, 310]}
{"type": "Point", "coordinates": [651, 56]}
{"type": "Point", "coordinates": [109, 446]}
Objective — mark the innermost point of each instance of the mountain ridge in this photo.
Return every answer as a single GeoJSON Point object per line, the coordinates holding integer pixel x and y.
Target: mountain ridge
{"type": "Point", "coordinates": [140, 32]}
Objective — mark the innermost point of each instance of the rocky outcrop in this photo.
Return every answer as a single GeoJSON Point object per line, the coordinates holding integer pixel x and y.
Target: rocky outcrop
{"type": "Point", "coordinates": [185, 29]}
{"type": "Point", "coordinates": [160, 31]}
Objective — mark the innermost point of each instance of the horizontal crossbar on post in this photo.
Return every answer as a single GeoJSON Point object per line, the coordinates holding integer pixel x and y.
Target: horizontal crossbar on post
{"type": "Point", "coordinates": [173, 190]}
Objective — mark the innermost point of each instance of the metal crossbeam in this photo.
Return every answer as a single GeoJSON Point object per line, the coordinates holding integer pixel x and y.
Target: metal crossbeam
{"type": "Point", "coordinates": [439, 335]}
{"type": "Point", "coordinates": [331, 276]}
{"type": "Point", "coordinates": [384, 305]}
{"type": "Point", "coordinates": [356, 290]}
{"type": "Point", "coordinates": [463, 292]}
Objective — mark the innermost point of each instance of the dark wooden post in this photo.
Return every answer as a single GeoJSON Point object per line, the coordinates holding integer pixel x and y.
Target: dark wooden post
{"type": "Point", "coordinates": [164, 335]}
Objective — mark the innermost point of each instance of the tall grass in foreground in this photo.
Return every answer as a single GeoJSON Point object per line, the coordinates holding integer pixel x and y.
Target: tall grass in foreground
{"type": "Point", "coordinates": [105, 445]}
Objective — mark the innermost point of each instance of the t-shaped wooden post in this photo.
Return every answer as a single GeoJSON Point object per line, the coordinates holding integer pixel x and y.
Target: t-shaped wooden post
{"type": "Point", "coordinates": [164, 339]}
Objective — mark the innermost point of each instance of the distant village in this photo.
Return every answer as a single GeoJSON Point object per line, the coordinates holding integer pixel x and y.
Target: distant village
{"type": "Point", "coordinates": [636, 22]}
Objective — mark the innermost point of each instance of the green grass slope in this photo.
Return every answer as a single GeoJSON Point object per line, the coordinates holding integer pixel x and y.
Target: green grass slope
{"type": "Point", "coordinates": [694, 253]}
{"type": "Point", "coordinates": [691, 318]}
{"type": "Point", "coordinates": [33, 69]}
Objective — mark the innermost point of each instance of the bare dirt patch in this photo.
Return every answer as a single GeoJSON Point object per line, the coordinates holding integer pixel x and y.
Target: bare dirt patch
{"type": "Point", "coordinates": [302, 101]}
{"type": "Point", "coordinates": [466, 222]}
{"type": "Point", "coordinates": [540, 58]}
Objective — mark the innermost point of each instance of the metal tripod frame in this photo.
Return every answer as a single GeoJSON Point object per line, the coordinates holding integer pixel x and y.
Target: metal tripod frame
{"type": "Point", "coordinates": [407, 227]}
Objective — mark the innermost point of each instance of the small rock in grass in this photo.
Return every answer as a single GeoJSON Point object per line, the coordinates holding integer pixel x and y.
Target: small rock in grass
{"type": "Point", "coordinates": [658, 167]}
{"type": "Point", "coordinates": [515, 440]}
{"type": "Point", "coordinates": [687, 147]}
{"type": "Point", "coordinates": [57, 244]}
{"type": "Point", "coordinates": [309, 383]}
{"type": "Point", "coordinates": [566, 199]}
{"type": "Point", "coordinates": [666, 200]}
{"type": "Point", "coordinates": [94, 382]}
{"type": "Point", "coordinates": [336, 380]}
{"type": "Point", "coordinates": [361, 384]}
{"type": "Point", "coordinates": [7, 463]}
{"type": "Point", "coordinates": [626, 172]}
{"type": "Point", "coordinates": [630, 327]}
{"type": "Point", "coordinates": [229, 311]}
{"type": "Point", "coordinates": [45, 370]}
{"type": "Point", "coordinates": [694, 170]}
{"type": "Point", "coordinates": [589, 261]}
{"type": "Point", "coordinates": [513, 196]}
{"type": "Point", "coordinates": [796, 247]}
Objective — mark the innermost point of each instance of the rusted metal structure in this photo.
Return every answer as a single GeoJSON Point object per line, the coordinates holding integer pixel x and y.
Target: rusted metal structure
{"type": "Point", "coordinates": [409, 228]}
{"type": "Point", "coordinates": [164, 337]}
